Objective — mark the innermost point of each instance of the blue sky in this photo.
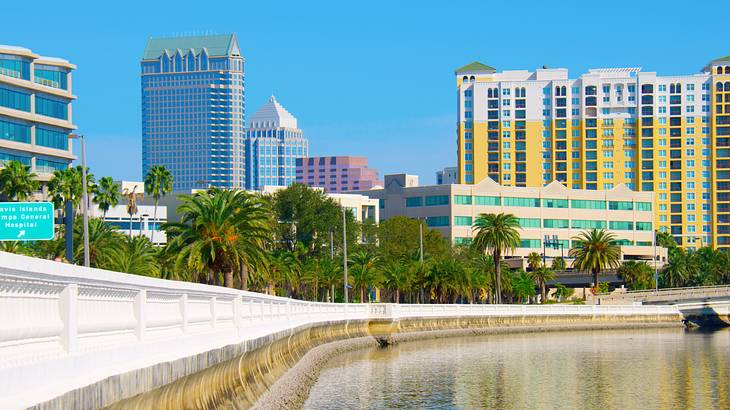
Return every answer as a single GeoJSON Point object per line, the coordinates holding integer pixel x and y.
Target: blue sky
{"type": "Point", "coordinates": [368, 78]}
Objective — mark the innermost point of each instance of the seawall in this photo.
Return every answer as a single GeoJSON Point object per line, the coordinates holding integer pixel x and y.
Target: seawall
{"type": "Point", "coordinates": [279, 373]}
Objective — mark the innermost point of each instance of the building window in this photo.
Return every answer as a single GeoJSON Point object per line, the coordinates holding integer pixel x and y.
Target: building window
{"type": "Point", "coordinates": [414, 202]}
{"type": "Point", "coordinates": [487, 200]}
{"type": "Point", "coordinates": [437, 200]}
{"type": "Point", "coordinates": [51, 108]}
{"type": "Point", "coordinates": [522, 202]}
{"type": "Point", "coordinates": [621, 225]}
{"type": "Point", "coordinates": [587, 204]}
{"type": "Point", "coordinates": [587, 224]}
{"type": "Point", "coordinates": [14, 99]}
{"type": "Point", "coordinates": [555, 223]}
{"type": "Point", "coordinates": [436, 221]}
{"type": "Point", "coordinates": [462, 220]}
{"type": "Point", "coordinates": [462, 200]}
{"type": "Point", "coordinates": [554, 203]}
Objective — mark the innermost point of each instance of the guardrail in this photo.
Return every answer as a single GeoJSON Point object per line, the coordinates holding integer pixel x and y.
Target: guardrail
{"type": "Point", "coordinates": [666, 295]}
{"type": "Point", "coordinates": [70, 326]}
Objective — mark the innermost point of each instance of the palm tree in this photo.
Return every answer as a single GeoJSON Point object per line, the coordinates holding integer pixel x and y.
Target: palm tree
{"type": "Point", "coordinates": [106, 195]}
{"type": "Point", "coordinates": [542, 275]}
{"type": "Point", "coordinates": [220, 232]}
{"type": "Point", "coordinates": [637, 275]}
{"type": "Point", "coordinates": [396, 277]}
{"type": "Point", "coordinates": [534, 260]}
{"type": "Point", "coordinates": [665, 240]}
{"type": "Point", "coordinates": [496, 233]}
{"type": "Point", "coordinates": [595, 251]}
{"type": "Point", "coordinates": [363, 269]}
{"type": "Point", "coordinates": [158, 183]}
{"type": "Point", "coordinates": [132, 197]}
{"type": "Point", "coordinates": [103, 239]}
{"type": "Point", "coordinates": [17, 183]}
{"type": "Point", "coordinates": [677, 272]}
{"type": "Point", "coordinates": [134, 255]}
{"type": "Point", "coordinates": [523, 286]}
{"type": "Point", "coordinates": [558, 263]}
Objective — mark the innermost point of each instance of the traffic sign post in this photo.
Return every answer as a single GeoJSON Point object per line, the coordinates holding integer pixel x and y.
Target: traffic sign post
{"type": "Point", "coordinates": [26, 221]}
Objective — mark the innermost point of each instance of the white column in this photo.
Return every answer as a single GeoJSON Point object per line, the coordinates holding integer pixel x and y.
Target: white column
{"type": "Point", "coordinates": [68, 305]}
{"type": "Point", "coordinates": [184, 312]}
{"type": "Point", "coordinates": [139, 313]}
{"type": "Point", "coordinates": [212, 311]}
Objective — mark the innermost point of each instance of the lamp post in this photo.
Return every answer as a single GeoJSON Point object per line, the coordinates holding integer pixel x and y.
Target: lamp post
{"type": "Point", "coordinates": [84, 196]}
{"type": "Point", "coordinates": [344, 249]}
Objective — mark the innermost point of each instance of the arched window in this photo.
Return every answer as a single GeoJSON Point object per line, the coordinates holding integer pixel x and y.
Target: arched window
{"type": "Point", "coordinates": [727, 69]}
{"type": "Point", "coordinates": [718, 87]}
{"type": "Point", "coordinates": [678, 87]}
{"type": "Point", "coordinates": [719, 70]}
{"type": "Point", "coordinates": [465, 78]}
{"type": "Point", "coordinates": [472, 78]}
{"type": "Point", "coordinates": [203, 60]}
{"type": "Point", "coordinates": [489, 93]}
{"type": "Point", "coordinates": [178, 62]}
{"type": "Point", "coordinates": [165, 62]}
{"type": "Point", "coordinates": [523, 92]}
{"type": "Point", "coordinates": [190, 61]}
{"type": "Point", "coordinates": [727, 86]}
{"type": "Point", "coordinates": [563, 90]}
{"type": "Point", "coordinates": [557, 91]}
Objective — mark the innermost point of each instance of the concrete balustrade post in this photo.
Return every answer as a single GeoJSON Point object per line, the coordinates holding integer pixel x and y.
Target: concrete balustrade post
{"type": "Point", "coordinates": [68, 307]}
{"type": "Point", "coordinates": [184, 312]}
{"type": "Point", "coordinates": [213, 302]}
{"type": "Point", "coordinates": [140, 300]}
{"type": "Point", "coordinates": [237, 312]}
{"type": "Point", "coordinates": [288, 312]}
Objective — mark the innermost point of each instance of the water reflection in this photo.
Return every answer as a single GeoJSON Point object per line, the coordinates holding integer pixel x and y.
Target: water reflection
{"type": "Point", "coordinates": [630, 369]}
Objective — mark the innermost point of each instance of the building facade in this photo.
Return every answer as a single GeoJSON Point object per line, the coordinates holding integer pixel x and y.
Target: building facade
{"type": "Point", "coordinates": [144, 222]}
{"type": "Point", "coordinates": [667, 134]}
{"type": "Point", "coordinates": [193, 111]}
{"type": "Point", "coordinates": [553, 210]}
{"type": "Point", "coordinates": [35, 110]}
{"type": "Point", "coordinates": [337, 174]}
{"type": "Point", "coordinates": [273, 144]}
{"type": "Point", "coordinates": [448, 175]}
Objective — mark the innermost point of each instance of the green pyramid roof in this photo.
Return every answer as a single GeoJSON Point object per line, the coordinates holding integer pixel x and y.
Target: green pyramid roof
{"type": "Point", "coordinates": [726, 58]}
{"type": "Point", "coordinates": [215, 45]}
{"type": "Point", "coordinates": [476, 66]}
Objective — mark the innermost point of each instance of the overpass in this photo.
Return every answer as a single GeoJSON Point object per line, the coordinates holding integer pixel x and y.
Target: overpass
{"type": "Point", "coordinates": [669, 296]}
{"type": "Point", "coordinates": [75, 337]}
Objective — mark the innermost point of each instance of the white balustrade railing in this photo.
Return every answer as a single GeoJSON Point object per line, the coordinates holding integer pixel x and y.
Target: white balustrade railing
{"type": "Point", "coordinates": [71, 326]}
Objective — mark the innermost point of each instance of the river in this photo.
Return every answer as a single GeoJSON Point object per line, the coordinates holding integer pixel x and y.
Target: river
{"type": "Point", "coordinates": [605, 369]}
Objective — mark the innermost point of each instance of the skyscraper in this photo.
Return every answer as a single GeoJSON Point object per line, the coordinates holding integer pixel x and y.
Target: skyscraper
{"type": "Point", "coordinates": [193, 115]}
{"type": "Point", "coordinates": [610, 126]}
{"type": "Point", "coordinates": [35, 110]}
{"type": "Point", "coordinates": [273, 143]}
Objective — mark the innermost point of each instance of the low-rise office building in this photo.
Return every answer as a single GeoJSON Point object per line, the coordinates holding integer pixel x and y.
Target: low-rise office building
{"type": "Point", "coordinates": [144, 222]}
{"type": "Point", "coordinates": [553, 211]}
{"type": "Point", "coordinates": [35, 111]}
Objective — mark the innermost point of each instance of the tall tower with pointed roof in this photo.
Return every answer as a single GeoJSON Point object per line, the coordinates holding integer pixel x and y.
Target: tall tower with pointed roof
{"type": "Point", "coordinates": [273, 143]}
{"type": "Point", "coordinates": [193, 115]}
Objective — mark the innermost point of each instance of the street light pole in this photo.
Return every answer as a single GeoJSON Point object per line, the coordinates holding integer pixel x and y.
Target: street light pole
{"type": "Point", "coordinates": [344, 249]}
{"type": "Point", "coordinates": [84, 198]}
{"type": "Point", "coordinates": [420, 237]}
{"type": "Point", "coordinates": [656, 271]}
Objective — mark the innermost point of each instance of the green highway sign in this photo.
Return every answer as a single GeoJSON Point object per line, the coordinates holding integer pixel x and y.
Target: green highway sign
{"type": "Point", "coordinates": [26, 221]}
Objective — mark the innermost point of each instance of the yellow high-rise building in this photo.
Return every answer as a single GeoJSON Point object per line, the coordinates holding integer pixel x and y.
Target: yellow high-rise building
{"type": "Point", "coordinates": [611, 126]}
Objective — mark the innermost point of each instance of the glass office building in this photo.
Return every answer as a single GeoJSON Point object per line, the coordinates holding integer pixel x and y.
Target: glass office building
{"type": "Point", "coordinates": [35, 110]}
{"type": "Point", "coordinates": [193, 113]}
{"type": "Point", "coordinates": [273, 144]}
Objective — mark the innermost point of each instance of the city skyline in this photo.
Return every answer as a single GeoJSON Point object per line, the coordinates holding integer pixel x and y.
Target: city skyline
{"type": "Point", "coordinates": [365, 119]}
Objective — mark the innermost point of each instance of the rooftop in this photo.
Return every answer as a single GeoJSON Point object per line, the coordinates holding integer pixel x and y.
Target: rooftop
{"type": "Point", "coordinates": [476, 67]}
{"type": "Point", "coordinates": [273, 115]}
{"type": "Point", "coordinates": [219, 45]}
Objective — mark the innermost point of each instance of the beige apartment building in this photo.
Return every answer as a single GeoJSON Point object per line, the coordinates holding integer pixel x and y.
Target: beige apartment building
{"type": "Point", "coordinates": [553, 211]}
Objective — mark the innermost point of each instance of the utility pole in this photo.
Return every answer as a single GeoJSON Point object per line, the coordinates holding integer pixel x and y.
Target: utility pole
{"type": "Point", "coordinates": [344, 249]}
{"type": "Point", "coordinates": [84, 198]}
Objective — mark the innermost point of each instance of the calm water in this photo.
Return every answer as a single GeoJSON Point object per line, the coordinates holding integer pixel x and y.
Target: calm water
{"type": "Point", "coordinates": [630, 369]}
